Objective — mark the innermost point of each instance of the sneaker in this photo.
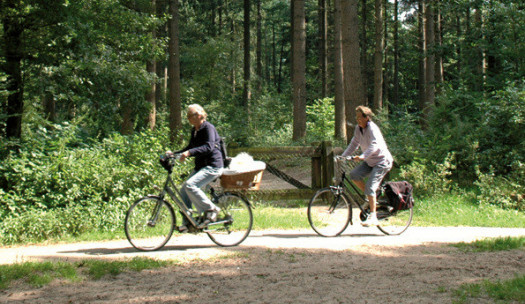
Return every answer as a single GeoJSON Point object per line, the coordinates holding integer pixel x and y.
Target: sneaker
{"type": "Point", "coordinates": [212, 215]}
{"type": "Point", "coordinates": [371, 220]}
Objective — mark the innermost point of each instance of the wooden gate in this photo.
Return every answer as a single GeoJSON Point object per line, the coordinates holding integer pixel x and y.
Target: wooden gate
{"type": "Point", "coordinates": [321, 156]}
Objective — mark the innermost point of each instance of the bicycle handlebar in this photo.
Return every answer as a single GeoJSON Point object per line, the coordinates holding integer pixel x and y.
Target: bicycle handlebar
{"type": "Point", "coordinates": [339, 157]}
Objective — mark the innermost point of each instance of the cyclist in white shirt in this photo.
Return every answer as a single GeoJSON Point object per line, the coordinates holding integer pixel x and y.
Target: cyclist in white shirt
{"type": "Point", "coordinates": [377, 160]}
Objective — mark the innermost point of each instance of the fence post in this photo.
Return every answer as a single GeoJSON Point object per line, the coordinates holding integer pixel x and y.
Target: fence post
{"type": "Point", "coordinates": [317, 170]}
{"type": "Point", "coordinates": [327, 163]}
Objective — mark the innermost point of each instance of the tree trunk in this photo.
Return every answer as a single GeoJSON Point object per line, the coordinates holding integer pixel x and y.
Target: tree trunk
{"type": "Point", "coordinates": [175, 105]}
{"type": "Point", "coordinates": [259, 69]}
{"type": "Point", "coordinates": [395, 99]}
{"type": "Point", "coordinates": [340, 122]}
{"type": "Point", "coordinates": [48, 102]}
{"type": "Point", "coordinates": [151, 68]}
{"type": "Point", "coordinates": [378, 56]}
{"type": "Point", "coordinates": [422, 57]}
{"type": "Point", "coordinates": [160, 67]}
{"type": "Point", "coordinates": [12, 67]}
{"type": "Point", "coordinates": [233, 74]}
{"type": "Point", "coordinates": [126, 128]}
{"type": "Point", "coordinates": [280, 78]}
{"type": "Point", "coordinates": [299, 70]}
{"type": "Point", "coordinates": [364, 48]}
{"type": "Point", "coordinates": [458, 48]}
{"type": "Point", "coordinates": [430, 86]}
{"type": "Point", "coordinates": [354, 90]}
{"type": "Point", "coordinates": [246, 85]}
{"type": "Point", "coordinates": [439, 43]}
{"type": "Point", "coordinates": [386, 58]}
{"type": "Point", "coordinates": [323, 58]}
{"type": "Point", "coordinates": [479, 58]}
{"type": "Point", "coordinates": [274, 56]}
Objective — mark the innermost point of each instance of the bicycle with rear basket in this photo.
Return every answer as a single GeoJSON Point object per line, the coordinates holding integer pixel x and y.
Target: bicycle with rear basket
{"type": "Point", "coordinates": [151, 220]}
{"type": "Point", "coordinates": [330, 209]}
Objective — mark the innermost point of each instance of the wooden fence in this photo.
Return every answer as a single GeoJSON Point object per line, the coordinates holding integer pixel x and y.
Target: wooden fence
{"type": "Point", "coordinates": [321, 156]}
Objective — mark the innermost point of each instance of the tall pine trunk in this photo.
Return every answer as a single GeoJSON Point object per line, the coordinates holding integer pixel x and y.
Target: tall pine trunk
{"type": "Point", "coordinates": [12, 67]}
{"type": "Point", "coordinates": [378, 56]}
{"type": "Point", "coordinates": [246, 81]}
{"type": "Point", "coordinates": [354, 90]}
{"type": "Point", "coordinates": [259, 68]}
{"type": "Point", "coordinates": [299, 70]}
{"type": "Point", "coordinates": [323, 40]}
{"type": "Point", "coordinates": [340, 121]}
{"type": "Point", "coordinates": [151, 68]}
{"type": "Point", "coordinates": [395, 99]}
{"type": "Point", "coordinates": [430, 86]}
{"type": "Point", "coordinates": [175, 105]}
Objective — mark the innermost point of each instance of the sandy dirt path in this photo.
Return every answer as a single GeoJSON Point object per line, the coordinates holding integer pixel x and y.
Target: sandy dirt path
{"type": "Point", "coordinates": [363, 266]}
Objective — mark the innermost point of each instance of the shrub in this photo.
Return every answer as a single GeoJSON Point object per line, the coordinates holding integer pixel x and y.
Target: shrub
{"type": "Point", "coordinates": [504, 191]}
{"type": "Point", "coordinates": [429, 177]}
{"type": "Point", "coordinates": [57, 184]}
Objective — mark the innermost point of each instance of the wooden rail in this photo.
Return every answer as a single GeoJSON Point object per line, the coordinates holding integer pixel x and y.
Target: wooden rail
{"type": "Point", "coordinates": [321, 156]}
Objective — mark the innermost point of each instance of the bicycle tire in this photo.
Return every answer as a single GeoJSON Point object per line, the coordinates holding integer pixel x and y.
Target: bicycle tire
{"type": "Point", "coordinates": [234, 221]}
{"type": "Point", "coordinates": [323, 218]}
{"type": "Point", "coordinates": [393, 223]}
{"type": "Point", "coordinates": [149, 223]}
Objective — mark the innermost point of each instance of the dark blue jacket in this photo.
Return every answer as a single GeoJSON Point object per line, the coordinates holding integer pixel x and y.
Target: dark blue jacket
{"type": "Point", "coordinates": [204, 146]}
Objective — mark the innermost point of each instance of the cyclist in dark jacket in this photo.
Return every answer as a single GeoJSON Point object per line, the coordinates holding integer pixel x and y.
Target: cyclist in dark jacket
{"type": "Point", "coordinates": [203, 145]}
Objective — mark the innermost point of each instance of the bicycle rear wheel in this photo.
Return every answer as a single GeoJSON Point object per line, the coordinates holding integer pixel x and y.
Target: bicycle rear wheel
{"type": "Point", "coordinates": [393, 222]}
{"type": "Point", "coordinates": [149, 223]}
{"type": "Point", "coordinates": [329, 212]}
{"type": "Point", "coordinates": [234, 222]}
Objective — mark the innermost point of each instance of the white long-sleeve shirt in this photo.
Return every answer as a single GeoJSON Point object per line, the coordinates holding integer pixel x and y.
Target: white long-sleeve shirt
{"type": "Point", "coordinates": [373, 146]}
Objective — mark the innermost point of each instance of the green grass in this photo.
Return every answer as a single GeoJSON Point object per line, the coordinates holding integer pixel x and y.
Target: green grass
{"type": "Point", "coordinates": [445, 210]}
{"type": "Point", "coordinates": [268, 217]}
{"type": "Point", "coordinates": [457, 210]}
{"type": "Point", "coordinates": [506, 291]}
{"type": "Point", "coordinates": [41, 273]}
{"type": "Point", "coordinates": [492, 244]}
{"type": "Point", "coordinates": [36, 273]}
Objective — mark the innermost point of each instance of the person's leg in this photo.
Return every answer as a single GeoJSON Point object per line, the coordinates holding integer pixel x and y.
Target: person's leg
{"type": "Point", "coordinates": [372, 184]}
{"type": "Point", "coordinates": [195, 184]}
{"type": "Point", "coordinates": [186, 200]}
{"type": "Point", "coordinates": [359, 173]}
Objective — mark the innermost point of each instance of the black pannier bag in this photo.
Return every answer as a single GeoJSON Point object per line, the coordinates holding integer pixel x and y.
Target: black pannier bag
{"type": "Point", "coordinates": [399, 195]}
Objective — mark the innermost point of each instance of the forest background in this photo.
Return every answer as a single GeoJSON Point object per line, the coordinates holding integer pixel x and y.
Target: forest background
{"type": "Point", "coordinates": [92, 91]}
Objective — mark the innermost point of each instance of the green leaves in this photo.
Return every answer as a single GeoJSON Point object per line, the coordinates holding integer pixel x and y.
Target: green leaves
{"type": "Point", "coordinates": [59, 186]}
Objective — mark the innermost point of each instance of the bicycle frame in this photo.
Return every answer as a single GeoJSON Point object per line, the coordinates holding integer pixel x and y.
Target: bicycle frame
{"type": "Point", "coordinates": [354, 189]}
{"type": "Point", "coordinates": [177, 199]}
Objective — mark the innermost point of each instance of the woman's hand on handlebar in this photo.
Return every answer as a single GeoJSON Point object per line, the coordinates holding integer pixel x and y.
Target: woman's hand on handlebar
{"type": "Point", "coordinates": [350, 158]}
{"type": "Point", "coordinates": [178, 156]}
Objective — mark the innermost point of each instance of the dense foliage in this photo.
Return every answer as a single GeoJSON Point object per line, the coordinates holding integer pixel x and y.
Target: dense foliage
{"type": "Point", "coordinates": [62, 183]}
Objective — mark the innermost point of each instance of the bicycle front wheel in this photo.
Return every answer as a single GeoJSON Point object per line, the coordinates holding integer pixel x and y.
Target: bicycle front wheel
{"type": "Point", "coordinates": [149, 223]}
{"type": "Point", "coordinates": [234, 221]}
{"type": "Point", "coordinates": [393, 222]}
{"type": "Point", "coordinates": [329, 212]}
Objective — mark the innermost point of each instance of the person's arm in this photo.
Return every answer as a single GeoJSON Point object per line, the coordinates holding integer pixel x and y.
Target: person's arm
{"type": "Point", "coordinates": [354, 143]}
{"type": "Point", "coordinates": [373, 147]}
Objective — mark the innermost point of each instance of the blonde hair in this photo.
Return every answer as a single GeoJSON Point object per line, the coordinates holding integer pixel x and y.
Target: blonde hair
{"type": "Point", "coordinates": [197, 109]}
{"type": "Point", "coordinates": [365, 111]}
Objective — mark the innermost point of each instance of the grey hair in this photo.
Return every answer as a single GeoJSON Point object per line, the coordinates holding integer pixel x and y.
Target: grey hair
{"type": "Point", "coordinates": [196, 108]}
